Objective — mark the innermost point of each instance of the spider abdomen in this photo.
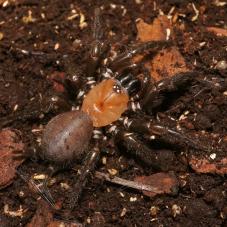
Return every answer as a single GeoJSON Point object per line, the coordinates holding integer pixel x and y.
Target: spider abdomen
{"type": "Point", "coordinates": [66, 137]}
{"type": "Point", "coordinates": [106, 102]}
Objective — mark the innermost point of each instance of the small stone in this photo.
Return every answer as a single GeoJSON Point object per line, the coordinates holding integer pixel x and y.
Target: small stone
{"type": "Point", "coordinates": [154, 211]}
{"type": "Point", "coordinates": [213, 156]}
{"type": "Point", "coordinates": [176, 210]}
{"type": "Point", "coordinates": [89, 220]}
{"type": "Point", "coordinates": [76, 43]}
{"type": "Point", "coordinates": [21, 194]}
{"type": "Point", "coordinates": [133, 199]}
{"type": "Point", "coordinates": [221, 65]}
{"type": "Point", "coordinates": [112, 171]}
{"type": "Point", "coordinates": [64, 186]}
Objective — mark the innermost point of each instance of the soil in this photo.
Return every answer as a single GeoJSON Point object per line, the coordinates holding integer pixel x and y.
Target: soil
{"type": "Point", "coordinates": [26, 104]}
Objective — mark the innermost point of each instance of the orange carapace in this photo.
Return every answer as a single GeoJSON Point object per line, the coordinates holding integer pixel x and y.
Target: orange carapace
{"type": "Point", "coordinates": [105, 102]}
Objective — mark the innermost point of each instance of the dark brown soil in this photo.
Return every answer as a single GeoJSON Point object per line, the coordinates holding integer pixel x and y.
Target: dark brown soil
{"type": "Point", "coordinates": [26, 94]}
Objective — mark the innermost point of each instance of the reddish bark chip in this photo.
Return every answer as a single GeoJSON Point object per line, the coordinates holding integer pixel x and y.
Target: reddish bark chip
{"type": "Point", "coordinates": [217, 31]}
{"type": "Point", "coordinates": [160, 29]}
{"type": "Point", "coordinates": [203, 165]}
{"type": "Point", "coordinates": [167, 63]}
{"type": "Point", "coordinates": [54, 77]}
{"type": "Point", "coordinates": [9, 143]}
{"type": "Point", "coordinates": [163, 183]}
{"type": "Point", "coordinates": [156, 31]}
{"type": "Point", "coordinates": [44, 217]}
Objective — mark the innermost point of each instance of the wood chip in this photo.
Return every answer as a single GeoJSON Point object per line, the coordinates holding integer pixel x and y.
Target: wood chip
{"type": "Point", "coordinates": [203, 165]}
{"type": "Point", "coordinates": [9, 143]}
{"type": "Point", "coordinates": [217, 31]}
{"type": "Point", "coordinates": [166, 63]}
{"type": "Point", "coordinates": [156, 31]}
{"type": "Point", "coordinates": [163, 182]}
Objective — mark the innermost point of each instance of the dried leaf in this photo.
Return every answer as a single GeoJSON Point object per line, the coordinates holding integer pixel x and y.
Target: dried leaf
{"type": "Point", "coordinates": [163, 182]}
{"type": "Point", "coordinates": [160, 29]}
{"type": "Point", "coordinates": [166, 63]}
{"type": "Point", "coordinates": [9, 143]}
{"type": "Point", "coordinates": [203, 165]}
{"type": "Point", "coordinates": [217, 31]}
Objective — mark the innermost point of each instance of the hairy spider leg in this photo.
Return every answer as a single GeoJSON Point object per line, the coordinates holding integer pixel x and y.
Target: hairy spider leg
{"type": "Point", "coordinates": [123, 61]}
{"type": "Point", "coordinates": [40, 189]}
{"type": "Point", "coordinates": [98, 46]}
{"type": "Point", "coordinates": [135, 147]}
{"type": "Point", "coordinates": [157, 92]}
{"type": "Point", "coordinates": [155, 130]}
{"type": "Point", "coordinates": [88, 167]}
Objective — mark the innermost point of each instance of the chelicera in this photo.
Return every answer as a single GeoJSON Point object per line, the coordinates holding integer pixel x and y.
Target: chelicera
{"type": "Point", "coordinates": [113, 101]}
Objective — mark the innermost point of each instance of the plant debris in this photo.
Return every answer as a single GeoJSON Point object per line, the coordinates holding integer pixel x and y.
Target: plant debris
{"type": "Point", "coordinates": [174, 64]}
{"type": "Point", "coordinates": [203, 165]}
{"type": "Point", "coordinates": [10, 142]}
{"type": "Point", "coordinates": [218, 31]}
{"type": "Point", "coordinates": [162, 182]}
{"type": "Point", "coordinates": [160, 29]}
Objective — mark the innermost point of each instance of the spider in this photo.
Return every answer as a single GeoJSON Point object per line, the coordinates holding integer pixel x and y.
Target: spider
{"type": "Point", "coordinates": [114, 100]}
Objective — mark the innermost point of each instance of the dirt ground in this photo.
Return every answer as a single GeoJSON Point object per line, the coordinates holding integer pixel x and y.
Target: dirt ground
{"type": "Point", "coordinates": [63, 31]}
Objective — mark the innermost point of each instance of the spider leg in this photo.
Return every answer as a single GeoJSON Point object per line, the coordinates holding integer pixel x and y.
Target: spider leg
{"type": "Point", "coordinates": [123, 60]}
{"type": "Point", "coordinates": [137, 148]}
{"type": "Point", "coordinates": [88, 166]}
{"type": "Point", "coordinates": [156, 130]}
{"type": "Point", "coordinates": [156, 93]}
{"type": "Point", "coordinates": [40, 189]}
{"type": "Point", "coordinates": [98, 47]}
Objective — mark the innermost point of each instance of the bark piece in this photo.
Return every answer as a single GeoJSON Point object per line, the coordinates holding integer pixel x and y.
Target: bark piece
{"type": "Point", "coordinates": [165, 183]}
{"type": "Point", "coordinates": [44, 218]}
{"type": "Point", "coordinates": [56, 77]}
{"type": "Point", "coordinates": [10, 142]}
{"type": "Point", "coordinates": [203, 165]}
{"type": "Point", "coordinates": [167, 63]}
{"type": "Point", "coordinates": [217, 31]}
{"type": "Point", "coordinates": [160, 29]}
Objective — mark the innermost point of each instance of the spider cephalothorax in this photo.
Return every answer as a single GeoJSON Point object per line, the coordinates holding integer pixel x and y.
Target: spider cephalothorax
{"type": "Point", "coordinates": [109, 96]}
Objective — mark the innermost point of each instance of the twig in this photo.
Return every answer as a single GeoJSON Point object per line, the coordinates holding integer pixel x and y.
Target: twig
{"type": "Point", "coordinates": [130, 184]}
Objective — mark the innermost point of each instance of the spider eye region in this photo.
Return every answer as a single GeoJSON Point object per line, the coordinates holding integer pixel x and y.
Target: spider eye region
{"type": "Point", "coordinates": [105, 102]}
